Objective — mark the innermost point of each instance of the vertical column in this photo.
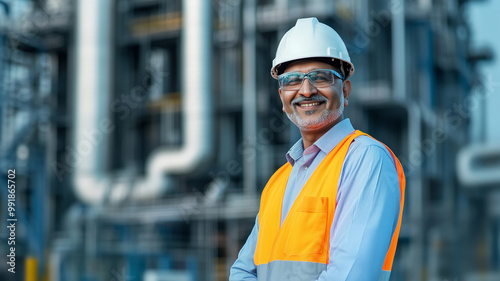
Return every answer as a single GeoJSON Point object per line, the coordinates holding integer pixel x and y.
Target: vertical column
{"type": "Point", "coordinates": [398, 50]}
{"type": "Point", "coordinates": [92, 91]}
{"type": "Point", "coordinates": [249, 97]}
{"type": "Point", "coordinates": [414, 180]}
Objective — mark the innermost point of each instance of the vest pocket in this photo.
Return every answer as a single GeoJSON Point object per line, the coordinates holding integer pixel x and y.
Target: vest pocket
{"type": "Point", "coordinates": [307, 234]}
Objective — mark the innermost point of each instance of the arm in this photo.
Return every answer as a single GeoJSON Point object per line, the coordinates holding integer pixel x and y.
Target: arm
{"type": "Point", "coordinates": [366, 215]}
{"type": "Point", "coordinates": [244, 267]}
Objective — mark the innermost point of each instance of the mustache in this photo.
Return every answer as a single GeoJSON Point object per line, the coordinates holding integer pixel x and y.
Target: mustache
{"type": "Point", "coordinates": [311, 98]}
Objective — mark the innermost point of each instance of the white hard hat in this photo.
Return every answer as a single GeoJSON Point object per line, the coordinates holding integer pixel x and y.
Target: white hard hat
{"type": "Point", "coordinates": [311, 39]}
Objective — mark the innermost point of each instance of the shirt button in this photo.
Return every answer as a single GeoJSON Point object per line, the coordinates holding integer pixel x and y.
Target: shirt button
{"type": "Point", "coordinates": [305, 168]}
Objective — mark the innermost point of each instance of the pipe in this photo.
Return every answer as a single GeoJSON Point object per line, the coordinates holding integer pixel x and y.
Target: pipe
{"type": "Point", "coordinates": [398, 32]}
{"type": "Point", "coordinates": [92, 185]}
{"type": "Point", "coordinates": [414, 180]}
{"type": "Point", "coordinates": [479, 165]}
{"type": "Point", "coordinates": [92, 93]}
{"type": "Point", "coordinates": [250, 96]}
{"type": "Point", "coordinates": [197, 94]}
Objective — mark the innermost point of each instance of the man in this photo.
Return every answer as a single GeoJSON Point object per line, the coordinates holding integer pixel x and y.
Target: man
{"type": "Point", "coordinates": [333, 211]}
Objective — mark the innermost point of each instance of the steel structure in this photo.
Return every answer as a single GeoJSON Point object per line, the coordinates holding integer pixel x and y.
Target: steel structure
{"type": "Point", "coordinates": [143, 131]}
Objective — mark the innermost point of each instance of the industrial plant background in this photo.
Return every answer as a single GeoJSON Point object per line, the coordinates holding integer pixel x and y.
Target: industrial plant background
{"type": "Point", "coordinates": [140, 133]}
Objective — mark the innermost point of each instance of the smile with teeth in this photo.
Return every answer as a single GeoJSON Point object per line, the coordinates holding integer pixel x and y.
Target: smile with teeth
{"type": "Point", "coordinates": [309, 104]}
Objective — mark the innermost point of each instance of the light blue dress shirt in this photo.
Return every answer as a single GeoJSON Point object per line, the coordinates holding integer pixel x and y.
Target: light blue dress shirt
{"type": "Point", "coordinates": [368, 199]}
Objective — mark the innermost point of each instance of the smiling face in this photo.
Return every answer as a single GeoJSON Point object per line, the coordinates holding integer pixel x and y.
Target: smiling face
{"type": "Point", "coordinates": [315, 110]}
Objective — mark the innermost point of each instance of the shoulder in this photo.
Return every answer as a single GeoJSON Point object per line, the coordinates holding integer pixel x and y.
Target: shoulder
{"type": "Point", "coordinates": [368, 157]}
{"type": "Point", "coordinates": [369, 166]}
{"type": "Point", "coordinates": [367, 148]}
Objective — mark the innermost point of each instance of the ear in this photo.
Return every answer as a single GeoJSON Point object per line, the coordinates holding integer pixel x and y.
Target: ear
{"type": "Point", "coordinates": [346, 89]}
{"type": "Point", "coordinates": [281, 98]}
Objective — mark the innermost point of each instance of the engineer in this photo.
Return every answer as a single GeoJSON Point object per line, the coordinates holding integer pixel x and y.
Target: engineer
{"type": "Point", "coordinates": [333, 211]}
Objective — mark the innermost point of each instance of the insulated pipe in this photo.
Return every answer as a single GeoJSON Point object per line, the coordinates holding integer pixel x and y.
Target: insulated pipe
{"type": "Point", "coordinates": [250, 96]}
{"type": "Point", "coordinates": [197, 94]}
{"type": "Point", "coordinates": [92, 93]}
{"type": "Point", "coordinates": [479, 165]}
{"type": "Point", "coordinates": [92, 184]}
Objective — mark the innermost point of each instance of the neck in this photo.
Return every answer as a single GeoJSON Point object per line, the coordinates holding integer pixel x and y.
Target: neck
{"type": "Point", "coordinates": [309, 137]}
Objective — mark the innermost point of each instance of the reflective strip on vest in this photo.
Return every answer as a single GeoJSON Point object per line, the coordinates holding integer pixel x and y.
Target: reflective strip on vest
{"type": "Point", "coordinates": [299, 249]}
{"type": "Point", "coordinates": [297, 270]}
{"type": "Point", "coordinates": [289, 271]}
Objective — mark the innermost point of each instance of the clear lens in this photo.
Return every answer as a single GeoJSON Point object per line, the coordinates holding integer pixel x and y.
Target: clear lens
{"type": "Point", "coordinates": [318, 78]}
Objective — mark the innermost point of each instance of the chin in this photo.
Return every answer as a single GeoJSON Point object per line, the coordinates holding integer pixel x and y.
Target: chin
{"type": "Point", "coordinates": [315, 127]}
{"type": "Point", "coordinates": [327, 120]}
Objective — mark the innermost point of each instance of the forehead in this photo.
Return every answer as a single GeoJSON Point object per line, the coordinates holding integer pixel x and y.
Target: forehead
{"type": "Point", "coordinates": [307, 65]}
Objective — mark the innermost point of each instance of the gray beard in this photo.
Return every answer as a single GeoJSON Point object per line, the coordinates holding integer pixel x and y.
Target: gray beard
{"type": "Point", "coordinates": [328, 116]}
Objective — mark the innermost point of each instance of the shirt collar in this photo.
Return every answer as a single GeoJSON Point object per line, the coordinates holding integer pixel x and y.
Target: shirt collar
{"type": "Point", "coordinates": [326, 143]}
{"type": "Point", "coordinates": [295, 152]}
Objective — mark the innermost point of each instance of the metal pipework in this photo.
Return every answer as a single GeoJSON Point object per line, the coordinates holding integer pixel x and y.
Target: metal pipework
{"type": "Point", "coordinates": [92, 94]}
{"type": "Point", "coordinates": [93, 90]}
{"type": "Point", "coordinates": [479, 165]}
{"type": "Point", "coordinates": [196, 94]}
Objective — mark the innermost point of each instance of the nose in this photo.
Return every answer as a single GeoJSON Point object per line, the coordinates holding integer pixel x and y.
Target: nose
{"type": "Point", "coordinates": [307, 89]}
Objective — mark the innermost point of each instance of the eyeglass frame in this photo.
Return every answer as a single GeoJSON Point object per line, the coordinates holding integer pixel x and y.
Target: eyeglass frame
{"type": "Point", "coordinates": [335, 73]}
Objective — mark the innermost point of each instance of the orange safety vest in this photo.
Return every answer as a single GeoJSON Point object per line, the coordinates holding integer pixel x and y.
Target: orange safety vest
{"type": "Point", "coordinates": [299, 249]}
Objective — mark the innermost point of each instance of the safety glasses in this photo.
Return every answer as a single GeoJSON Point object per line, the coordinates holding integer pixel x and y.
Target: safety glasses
{"type": "Point", "coordinates": [319, 78]}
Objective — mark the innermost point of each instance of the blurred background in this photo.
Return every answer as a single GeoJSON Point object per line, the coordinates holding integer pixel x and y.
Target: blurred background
{"type": "Point", "coordinates": [142, 132]}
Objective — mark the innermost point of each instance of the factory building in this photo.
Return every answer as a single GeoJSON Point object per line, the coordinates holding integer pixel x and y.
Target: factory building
{"type": "Point", "coordinates": [142, 132]}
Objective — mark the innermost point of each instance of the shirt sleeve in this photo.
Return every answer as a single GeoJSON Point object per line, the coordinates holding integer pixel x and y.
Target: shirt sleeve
{"type": "Point", "coordinates": [366, 215]}
{"type": "Point", "coordinates": [244, 267]}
